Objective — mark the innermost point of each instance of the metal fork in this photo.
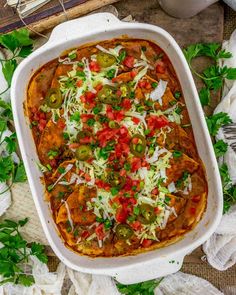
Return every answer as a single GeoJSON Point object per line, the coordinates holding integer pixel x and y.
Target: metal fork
{"type": "Point", "coordinates": [230, 134]}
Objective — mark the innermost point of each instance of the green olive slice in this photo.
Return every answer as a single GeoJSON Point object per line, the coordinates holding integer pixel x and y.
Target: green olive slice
{"type": "Point", "coordinates": [124, 231]}
{"type": "Point", "coordinates": [105, 60]}
{"type": "Point", "coordinates": [54, 98]}
{"type": "Point", "coordinates": [83, 152]}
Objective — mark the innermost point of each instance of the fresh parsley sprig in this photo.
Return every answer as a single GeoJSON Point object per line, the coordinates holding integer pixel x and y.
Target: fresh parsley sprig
{"type": "Point", "coordinates": [213, 78]}
{"type": "Point", "coordinates": [15, 252]}
{"type": "Point", "coordinates": [20, 45]}
{"type": "Point", "coordinates": [214, 75]}
{"type": "Point", "coordinates": [16, 45]}
{"type": "Point", "coordinates": [144, 288]}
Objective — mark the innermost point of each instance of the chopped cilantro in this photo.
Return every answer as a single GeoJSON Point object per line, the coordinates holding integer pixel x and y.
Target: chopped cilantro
{"type": "Point", "coordinates": [154, 84]}
{"type": "Point", "coordinates": [50, 187]}
{"type": "Point", "coordinates": [147, 131]}
{"type": "Point", "coordinates": [177, 94]}
{"type": "Point", "coordinates": [144, 48]}
{"type": "Point", "coordinates": [75, 117]}
{"type": "Point", "coordinates": [91, 122]}
{"type": "Point", "coordinates": [172, 102]}
{"type": "Point", "coordinates": [114, 191]}
{"type": "Point", "coordinates": [136, 210]}
{"type": "Point", "coordinates": [127, 166]}
{"type": "Point", "coordinates": [122, 56]}
{"type": "Point", "coordinates": [110, 74]}
{"type": "Point", "coordinates": [177, 154]}
{"type": "Point", "coordinates": [66, 136]}
{"type": "Point", "coordinates": [178, 110]}
{"type": "Point", "coordinates": [72, 55]}
{"type": "Point", "coordinates": [61, 170]}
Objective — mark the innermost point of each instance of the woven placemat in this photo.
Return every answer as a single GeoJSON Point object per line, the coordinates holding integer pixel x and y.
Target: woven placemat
{"type": "Point", "coordinates": [229, 21]}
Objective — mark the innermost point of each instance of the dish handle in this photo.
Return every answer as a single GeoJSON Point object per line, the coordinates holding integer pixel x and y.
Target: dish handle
{"type": "Point", "coordinates": [81, 26]}
{"type": "Point", "coordinates": [149, 270]}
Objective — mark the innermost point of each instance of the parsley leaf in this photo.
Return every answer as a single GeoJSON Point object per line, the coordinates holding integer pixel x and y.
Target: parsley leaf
{"type": "Point", "coordinates": [11, 143]}
{"type": "Point", "coordinates": [8, 69]}
{"type": "Point", "coordinates": [220, 148]}
{"type": "Point", "coordinates": [15, 252]}
{"type": "Point", "coordinates": [38, 250]}
{"type": "Point", "coordinates": [144, 288]}
{"type": "Point", "coordinates": [6, 168]}
{"type": "Point", "coordinates": [204, 95]}
{"type": "Point", "coordinates": [20, 175]}
{"type": "Point", "coordinates": [216, 121]}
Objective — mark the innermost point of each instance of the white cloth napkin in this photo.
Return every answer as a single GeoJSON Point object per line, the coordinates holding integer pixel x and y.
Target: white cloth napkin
{"type": "Point", "coordinates": [220, 249]}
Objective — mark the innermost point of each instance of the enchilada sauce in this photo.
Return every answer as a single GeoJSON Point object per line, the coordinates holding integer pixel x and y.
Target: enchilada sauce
{"type": "Point", "coordinates": [116, 148]}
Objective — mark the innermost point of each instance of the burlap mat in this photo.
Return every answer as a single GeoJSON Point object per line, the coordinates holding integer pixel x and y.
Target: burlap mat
{"type": "Point", "coordinates": [22, 199]}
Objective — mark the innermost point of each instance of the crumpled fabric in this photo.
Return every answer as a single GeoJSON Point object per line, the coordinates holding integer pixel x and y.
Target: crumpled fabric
{"type": "Point", "coordinates": [220, 249]}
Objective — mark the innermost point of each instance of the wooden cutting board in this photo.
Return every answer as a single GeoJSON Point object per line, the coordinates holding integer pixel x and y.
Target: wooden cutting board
{"type": "Point", "coordinates": [49, 15]}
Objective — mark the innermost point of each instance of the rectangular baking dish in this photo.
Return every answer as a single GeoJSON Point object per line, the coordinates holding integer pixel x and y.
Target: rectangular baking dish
{"type": "Point", "coordinates": [145, 266]}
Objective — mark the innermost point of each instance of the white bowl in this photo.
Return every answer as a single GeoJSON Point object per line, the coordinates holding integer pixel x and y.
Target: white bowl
{"type": "Point", "coordinates": [145, 266]}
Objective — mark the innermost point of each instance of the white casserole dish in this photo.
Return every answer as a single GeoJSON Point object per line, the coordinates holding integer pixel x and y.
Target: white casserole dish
{"type": "Point", "coordinates": [145, 266]}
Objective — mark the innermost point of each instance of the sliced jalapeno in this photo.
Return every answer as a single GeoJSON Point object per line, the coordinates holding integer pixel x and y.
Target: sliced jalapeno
{"type": "Point", "coordinates": [147, 214]}
{"type": "Point", "coordinates": [138, 145]}
{"type": "Point", "coordinates": [105, 60]}
{"type": "Point", "coordinates": [113, 124]}
{"type": "Point", "coordinates": [115, 179]}
{"type": "Point", "coordinates": [83, 152]}
{"type": "Point", "coordinates": [125, 90]}
{"type": "Point", "coordinates": [54, 98]}
{"type": "Point", "coordinates": [124, 231]}
{"type": "Point", "coordinates": [108, 95]}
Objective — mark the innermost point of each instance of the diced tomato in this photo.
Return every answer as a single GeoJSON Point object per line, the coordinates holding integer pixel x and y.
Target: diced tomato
{"type": "Point", "coordinates": [74, 145]}
{"type": "Point", "coordinates": [86, 140]}
{"type": "Point", "coordinates": [53, 163]}
{"type": "Point", "coordinates": [41, 127]}
{"type": "Point", "coordinates": [87, 177]}
{"type": "Point", "coordinates": [85, 117]}
{"type": "Point", "coordinates": [82, 98]}
{"type": "Point", "coordinates": [136, 225]}
{"type": "Point", "coordinates": [102, 184]}
{"type": "Point", "coordinates": [129, 61]}
{"type": "Point", "coordinates": [61, 124]}
{"type": "Point", "coordinates": [146, 243]}
{"type": "Point", "coordinates": [155, 191]}
{"type": "Point", "coordinates": [118, 92]}
{"type": "Point", "coordinates": [192, 210]}
{"type": "Point", "coordinates": [89, 97]}
{"type": "Point", "coordinates": [157, 122]}
{"type": "Point", "coordinates": [160, 67]}
{"type": "Point", "coordinates": [85, 234]}
{"type": "Point", "coordinates": [148, 85]}
{"type": "Point", "coordinates": [79, 83]}
{"type": "Point", "coordinates": [196, 198]}
{"type": "Point", "coordinates": [99, 230]}
{"type": "Point", "coordinates": [122, 172]}
{"type": "Point", "coordinates": [135, 140]}
{"type": "Point", "coordinates": [43, 122]}
{"type": "Point", "coordinates": [133, 73]}
{"type": "Point", "coordinates": [98, 87]}
{"type": "Point", "coordinates": [142, 84]}
{"type": "Point", "coordinates": [132, 201]}
{"type": "Point", "coordinates": [94, 66]}
{"type": "Point", "coordinates": [42, 115]}
{"type": "Point", "coordinates": [121, 214]}
{"type": "Point", "coordinates": [135, 120]}
{"type": "Point", "coordinates": [34, 110]}
{"type": "Point", "coordinates": [156, 210]}
{"type": "Point", "coordinates": [126, 104]}
{"type": "Point", "coordinates": [135, 164]}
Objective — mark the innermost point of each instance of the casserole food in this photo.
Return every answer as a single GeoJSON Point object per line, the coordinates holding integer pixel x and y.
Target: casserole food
{"type": "Point", "coordinates": [116, 147]}
{"type": "Point", "coordinates": [145, 265]}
